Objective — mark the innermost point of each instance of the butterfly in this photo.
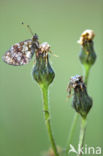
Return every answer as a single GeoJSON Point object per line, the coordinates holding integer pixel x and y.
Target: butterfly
{"type": "Point", "coordinates": [21, 53]}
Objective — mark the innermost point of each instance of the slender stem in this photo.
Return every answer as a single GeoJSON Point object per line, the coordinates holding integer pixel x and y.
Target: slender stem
{"type": "Point", "coordinates": [86, 73]}
{"type": "Point", "coordinates": [47, 118]}
{"type": "Point", "coordinates": [82, 136]}
{"type": "Point", "coordinates": [74, 123]}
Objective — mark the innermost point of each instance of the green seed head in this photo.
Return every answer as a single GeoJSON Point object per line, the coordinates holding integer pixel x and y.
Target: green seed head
{"type": "Point", "coordinates": [82, 103]}
{"type": "Point", "coordinates": [87, 55]}
{"type": "Point", "coordinates": [42, 71]}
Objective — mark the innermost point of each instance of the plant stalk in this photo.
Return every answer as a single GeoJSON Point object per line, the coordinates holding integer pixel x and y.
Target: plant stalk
{"type": "Point", "coordinates": [82, 135]}
{"type": "Point", "coordinates": [86, 73]}
{"type": "Point", "coordinates": [47, 118]}
{"type": "Point", "coordinates": [74, 123]}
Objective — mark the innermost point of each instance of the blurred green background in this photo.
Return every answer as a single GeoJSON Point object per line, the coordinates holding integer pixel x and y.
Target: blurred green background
{"type": "Point", "coordinates": [60, 23]}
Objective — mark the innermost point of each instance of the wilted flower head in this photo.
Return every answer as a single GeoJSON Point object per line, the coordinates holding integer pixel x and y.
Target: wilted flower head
{"type": "Point", "coordinates": [75, 81]}
{"type": "Point", "coordinates": [45, 47]}
{"type": "Point", "coordinates": [43, 50]}
{"type": "Point", "coordinates": [86, 36]}
{"type": "Point", "coordinates": [87, 55]}
{"type": "Point", "coordinates": [82, 103]}
{"type": "Point", "coordinates": [42, 71]}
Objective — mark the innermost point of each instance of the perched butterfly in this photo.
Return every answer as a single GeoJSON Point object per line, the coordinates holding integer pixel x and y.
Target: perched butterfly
{"type": "Point", "coordinates": [21, 53]}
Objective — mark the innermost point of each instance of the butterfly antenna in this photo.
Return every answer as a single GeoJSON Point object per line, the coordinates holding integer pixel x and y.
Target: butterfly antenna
{"type": "Point", "coordinates": [29, 28]}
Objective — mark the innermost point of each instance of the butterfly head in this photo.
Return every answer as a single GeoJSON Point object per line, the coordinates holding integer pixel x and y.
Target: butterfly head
{"type": "Point", "coordinates": [35, 42]}
{"type": "Point", "coordinates": [35, 37]}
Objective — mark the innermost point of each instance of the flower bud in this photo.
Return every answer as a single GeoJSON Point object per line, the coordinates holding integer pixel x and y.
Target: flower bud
{"type": "Point", "coordinates": [82, 103]}
{"type": "Point", "coordinates": [42, 71]}
{"type": "Point", "coordinates": [87, 55]}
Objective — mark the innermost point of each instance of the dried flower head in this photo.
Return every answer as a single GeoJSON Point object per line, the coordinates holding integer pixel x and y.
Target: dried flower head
{"type": "Point", "coordinates": [82, 103]}
{"type": "Point", "coordinates": [75, 81]}
{"type": "Point", "coordinates": [43, 50]}
{"type": "Point", "coordinates": [45, 47]}
{"type": "Point", "coordinates": [86, 36]}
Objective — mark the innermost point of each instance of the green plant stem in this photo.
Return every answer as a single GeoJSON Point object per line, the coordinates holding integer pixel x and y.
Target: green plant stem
{"type": "Point", "coordinates": [82, 135]}
{"type": "Point", "coordinates": [74, 123]}
{"type": "Point", "coordinates": [86, 73]}
{"type": "Point", "coordinates": [47, 118]}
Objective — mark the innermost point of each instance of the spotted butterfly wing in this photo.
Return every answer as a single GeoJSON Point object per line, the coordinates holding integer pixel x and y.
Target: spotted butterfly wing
{"type": "Point", "coordinates": [19, 54]}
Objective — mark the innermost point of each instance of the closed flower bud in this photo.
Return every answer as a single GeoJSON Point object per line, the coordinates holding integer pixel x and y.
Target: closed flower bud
{"type": "Point", "coordinates": [82, 103]}
{"type": "Point", "coordinates": [87, 55]}
{"type": "Point", "coordinates": [42, 71]}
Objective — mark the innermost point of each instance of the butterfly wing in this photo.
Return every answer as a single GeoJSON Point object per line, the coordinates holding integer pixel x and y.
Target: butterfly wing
{"type": "Point", "coordinates": [19, 54]}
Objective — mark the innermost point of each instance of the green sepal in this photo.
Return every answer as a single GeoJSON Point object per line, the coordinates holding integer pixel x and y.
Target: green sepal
{"type": "Point", "coordinates": [42, 71]}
